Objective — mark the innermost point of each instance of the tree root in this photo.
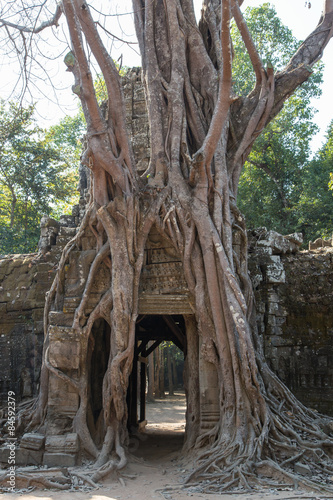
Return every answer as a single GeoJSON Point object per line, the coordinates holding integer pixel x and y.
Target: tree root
{"type": "Point", "coordinates": [26, 480]}
{"type": "Point", "coordinates": [104, 471]}
{"type": "Point", "coordinates": [220, 474]}
{"type": "Point", "coordinates": [85, 479]}
{"type": "Point", "coordinates": [68, 480]}
{"type": "Point", "coordinates": [292, 436]}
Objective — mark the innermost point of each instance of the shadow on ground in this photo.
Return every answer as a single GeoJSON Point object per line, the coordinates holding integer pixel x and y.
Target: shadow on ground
{"type": "Point", "coordinates": [165, 429]}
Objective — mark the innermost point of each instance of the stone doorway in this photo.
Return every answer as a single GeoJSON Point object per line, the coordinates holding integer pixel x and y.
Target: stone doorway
{"type": "Point", "coordinates": [152, 424]}
{"type": "Point", "coordinates": [151, 331]}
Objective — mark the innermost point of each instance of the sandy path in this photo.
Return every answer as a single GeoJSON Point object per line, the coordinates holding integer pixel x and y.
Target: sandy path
{"type": "Point", "coordinates": [154, 466]}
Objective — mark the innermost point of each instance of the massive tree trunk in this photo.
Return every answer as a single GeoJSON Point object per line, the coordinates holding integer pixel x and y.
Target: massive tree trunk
{"type": "Point", "coordinates": [201, 135]}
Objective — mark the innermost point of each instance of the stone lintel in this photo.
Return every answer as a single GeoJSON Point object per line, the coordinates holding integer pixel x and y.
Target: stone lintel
{"type": "Point", "coordinates": [165, 304]}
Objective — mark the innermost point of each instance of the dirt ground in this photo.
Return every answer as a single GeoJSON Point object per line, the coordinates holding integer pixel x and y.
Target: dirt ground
{"type": "Point", "coordinates": [156, 469]}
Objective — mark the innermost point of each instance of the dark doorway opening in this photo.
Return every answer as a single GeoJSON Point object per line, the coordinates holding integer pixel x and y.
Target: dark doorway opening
{"type": "Point", "coordinates": [151, 331]}
{"type": "Point", "coordinates": [152, 422]}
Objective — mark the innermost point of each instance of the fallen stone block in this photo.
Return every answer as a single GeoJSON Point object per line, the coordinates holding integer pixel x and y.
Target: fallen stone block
{"type": "Point", "coordinates": [20, 456]}
{"type": "Point", "coordinates": [4, 454]}
{"type": "Point", "coordinates": [59, 459]}
{"type": "Point", "coordinates": [32, 441]}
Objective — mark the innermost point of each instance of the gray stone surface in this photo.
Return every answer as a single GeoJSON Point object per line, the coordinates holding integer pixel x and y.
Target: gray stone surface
{"type": "Point", "coordinates": [59, 459]}
{"type": "Point", "coordinates": [68, 443]}
{"type": "Point", "coordinates": [28, 457]}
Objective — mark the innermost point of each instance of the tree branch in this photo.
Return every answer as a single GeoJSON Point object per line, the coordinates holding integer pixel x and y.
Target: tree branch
{"type": "Point", "coordinates": [299, 67]}
{"type": "Point", "coordinates": [54, 21]}
{"type": "Point", "coordinates": [93, 115]}
{"type": "Point", "coordinates": [224, 100]}
{"type": "Point", "coordinates": [117, 113]}
{"type": "Point", "coordinates": [247, 39]}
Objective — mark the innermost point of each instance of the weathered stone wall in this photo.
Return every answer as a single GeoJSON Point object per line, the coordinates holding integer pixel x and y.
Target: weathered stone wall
{"type": "Point", "coordinates": [305, 350]}
{"type": "Point", "coordinates": [294, 296]}
{"type": "Point", "coordinates": [24, 281]}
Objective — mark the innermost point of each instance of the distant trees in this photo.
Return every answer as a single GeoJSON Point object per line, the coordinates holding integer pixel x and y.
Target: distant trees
{"type": "Point", "coordinates": [315, 205]}
{"type": "Point", "coordinates": [165, 365]}
{"type": "Point", "coordinates": [37, 174]}
{"type": "Point", "coordinates": [287, 191]}
{"type": "Point", "coordinates": [280, 187]}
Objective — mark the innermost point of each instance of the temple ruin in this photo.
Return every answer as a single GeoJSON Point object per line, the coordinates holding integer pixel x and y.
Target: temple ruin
{"type": "Point", "coordinates": [293, 291]}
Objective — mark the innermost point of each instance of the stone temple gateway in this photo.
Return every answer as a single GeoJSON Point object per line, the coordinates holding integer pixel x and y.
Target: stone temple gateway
{"type": "Point", "coordinates": [165, 313]}
{"type": "Point", "coordinates": [294, 314]}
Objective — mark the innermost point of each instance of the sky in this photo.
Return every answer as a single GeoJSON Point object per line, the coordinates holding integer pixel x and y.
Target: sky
{"type": "Point", "coordinates": [294, 13]}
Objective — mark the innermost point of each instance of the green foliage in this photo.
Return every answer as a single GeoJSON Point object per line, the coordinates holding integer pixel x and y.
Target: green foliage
{"type": "Point", "coordinates": [36, 176]}
{"type": "Point", "coordinates": [67, 136]}
{"type": "Point", "coordinates": [330, 184]}
{"type": "Point", "coordinates": [280, 187]}
{"type": "Point", "coordinates": [315, 205]}
{"type": "Point", "coordinates": [328, 153]}
{"type": "Point", "coordinates": [100, 89]}
{"type": "Point", "coordinates": [176, 355]}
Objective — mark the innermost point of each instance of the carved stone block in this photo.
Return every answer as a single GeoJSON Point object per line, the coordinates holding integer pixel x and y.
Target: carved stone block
{"type": "Point", "coordinates": [68, 443]}
{"type": "Point", "coordinates": [28, 457]}
{"type": "Point", "coordinates": [32, 441]}
{"type": "Point", "coordinates": [275, 272]}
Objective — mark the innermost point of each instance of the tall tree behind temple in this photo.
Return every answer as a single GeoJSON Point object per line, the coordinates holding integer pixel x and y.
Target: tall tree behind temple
{"type": "Point", "coordinates": [36, 177]}
{"type": "Point", "coordinates": [314, 209]}
{"type": "Point", "coordinates": [276, 174]}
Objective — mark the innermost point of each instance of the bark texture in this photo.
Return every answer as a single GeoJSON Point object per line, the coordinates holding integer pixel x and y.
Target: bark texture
{"type": "Point", "coordinates": [201, 134]}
